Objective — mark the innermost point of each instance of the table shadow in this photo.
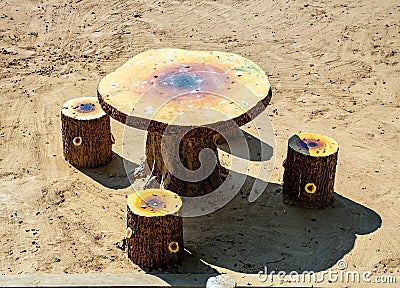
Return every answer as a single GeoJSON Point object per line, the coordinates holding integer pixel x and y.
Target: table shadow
{"type": "Point", "coordinates": [258, 150]}
{"type": "Point", "coordinates": [246, 237]}
{"type": "Point", "coordinates": [112, 175]}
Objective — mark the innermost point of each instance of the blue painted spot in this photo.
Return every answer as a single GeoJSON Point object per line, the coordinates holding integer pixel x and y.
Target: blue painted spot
{"type": "Point", "coordinates": [153, 203]}
{"type": "Point", "coordinates": [183, 81]}
{"type": "Point", "coordinates": [85, 108]}
{"type": "Point", "coordinates": [302, 144]}
{"type": "Point", "coordinates": [312, 144]}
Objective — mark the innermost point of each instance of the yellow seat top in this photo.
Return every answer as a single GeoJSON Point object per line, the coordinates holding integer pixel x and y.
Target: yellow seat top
{"type": "Point", "coordinates": [154, 202]}
{"type": "Point", "coordinates": [312, 144]}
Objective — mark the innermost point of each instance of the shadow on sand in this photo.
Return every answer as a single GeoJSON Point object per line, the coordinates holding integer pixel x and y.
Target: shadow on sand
{"type": "Point", "coordinates": [112, 175]}
{"type": "Point", "coordinates": [257, 149]}
{"type": "Point", "coordinates": [246, 237]}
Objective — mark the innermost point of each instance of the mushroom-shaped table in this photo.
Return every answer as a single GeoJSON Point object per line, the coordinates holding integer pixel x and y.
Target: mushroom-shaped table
{"type": "Point", "coordinates": [184, 99]}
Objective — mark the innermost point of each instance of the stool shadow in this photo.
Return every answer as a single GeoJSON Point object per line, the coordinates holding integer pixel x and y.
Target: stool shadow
{"type": "Point", "coordinates": [246, 237]}
{"type": "Point", "coordinates": [112, 175]}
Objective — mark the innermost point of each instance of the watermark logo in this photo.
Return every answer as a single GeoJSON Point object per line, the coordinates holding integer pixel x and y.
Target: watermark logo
{"type": "Point", "coordinates": [177, 95]}
{"type": "Point", "coordinates": [339, 275]}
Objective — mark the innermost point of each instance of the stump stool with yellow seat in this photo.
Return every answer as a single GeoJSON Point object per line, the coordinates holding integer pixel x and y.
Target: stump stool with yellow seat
{"type": "Point", "coordinates": [310, 168]}
{"type": "Point", "coordinates": [154, 230]}
{"type": "Point", "coordinates": [86, 133]}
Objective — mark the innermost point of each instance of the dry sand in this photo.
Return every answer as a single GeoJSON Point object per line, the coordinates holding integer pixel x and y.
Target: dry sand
{"type": "Point", "coordinates": [334, 68]}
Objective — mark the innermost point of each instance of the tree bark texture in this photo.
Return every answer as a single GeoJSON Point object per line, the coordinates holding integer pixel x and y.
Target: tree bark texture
{"type": "Point", "coordinates": [87, 143]}
{"type": "Point", "coordinates": [184, 152]}
{"type": "Point", "coordinates": [154, 232]}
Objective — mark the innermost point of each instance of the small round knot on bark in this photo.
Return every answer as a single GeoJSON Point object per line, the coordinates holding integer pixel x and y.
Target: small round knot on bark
{"type": "Point", "coordinates": [129, 232]}
{"type": "Point", "coordinates": [77, 141]}
{"type": "Point", "coordinates": [310, 188]}
{"type": "Point", "coordinates": [173, 247]}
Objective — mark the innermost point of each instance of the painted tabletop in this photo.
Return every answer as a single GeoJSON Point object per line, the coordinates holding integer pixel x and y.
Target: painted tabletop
{"type": "Point", "coordinates": [185, 88]}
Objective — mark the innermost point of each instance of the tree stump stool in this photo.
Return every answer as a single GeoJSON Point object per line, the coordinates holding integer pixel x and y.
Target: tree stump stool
{"type": "Point", "coordinates": [86, 133]}
{"type": "Point", "coordinates": [155, 232]}
{"type": "Point", "coordinates": [310, 167]}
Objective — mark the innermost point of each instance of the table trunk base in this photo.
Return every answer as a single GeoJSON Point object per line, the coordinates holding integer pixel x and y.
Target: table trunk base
{"type": "Point", "coordinates": [188, 148]}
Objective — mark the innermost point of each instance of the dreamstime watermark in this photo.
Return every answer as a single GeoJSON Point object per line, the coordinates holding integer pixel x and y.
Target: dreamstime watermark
{"type": "Point", "coordinates": [341, 275]}
{"type": "Point", "coordinates": [182, 88]}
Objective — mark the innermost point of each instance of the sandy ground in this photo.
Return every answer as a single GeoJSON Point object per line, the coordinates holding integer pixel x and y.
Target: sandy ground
{"type": "Point", "coordinates": [334, 68]}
